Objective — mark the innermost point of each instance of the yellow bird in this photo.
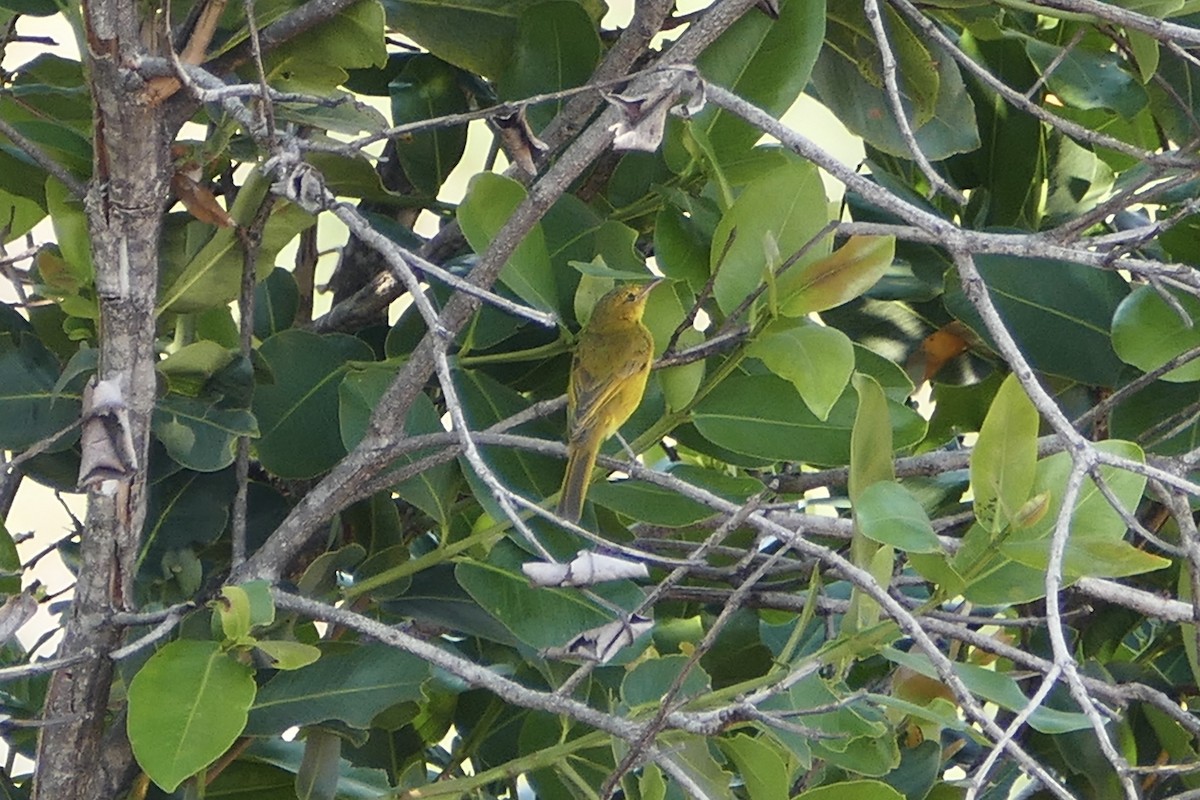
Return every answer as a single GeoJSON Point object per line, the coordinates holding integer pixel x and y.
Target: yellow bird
{"type": "Point", "coordinates": [608, 377]}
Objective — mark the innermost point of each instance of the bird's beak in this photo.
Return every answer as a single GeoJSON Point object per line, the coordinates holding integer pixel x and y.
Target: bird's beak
{"type": "Point", "coordinates": [647, 286]}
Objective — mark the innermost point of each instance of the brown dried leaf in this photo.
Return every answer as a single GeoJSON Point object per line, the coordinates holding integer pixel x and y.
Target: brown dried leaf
{"type": "Point", "coordinates": [200, 202]}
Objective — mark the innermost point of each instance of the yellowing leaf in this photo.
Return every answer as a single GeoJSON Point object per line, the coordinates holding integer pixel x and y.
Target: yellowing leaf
{"type": "Point", "coordinates": [841, 276]}
{"type": "Point", "coordinates": [1005, 458]}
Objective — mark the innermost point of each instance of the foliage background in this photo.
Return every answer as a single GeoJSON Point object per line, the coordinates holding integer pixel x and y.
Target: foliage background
{"type": "Point", "coordinates": [889, 635]}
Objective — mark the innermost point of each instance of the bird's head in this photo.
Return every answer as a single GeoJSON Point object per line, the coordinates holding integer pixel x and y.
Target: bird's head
{"type": "Point", "coordinates": [622, 306]}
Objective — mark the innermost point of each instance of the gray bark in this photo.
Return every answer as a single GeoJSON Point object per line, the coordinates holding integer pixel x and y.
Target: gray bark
{"type": "Point", "coordinates": [124, 207]}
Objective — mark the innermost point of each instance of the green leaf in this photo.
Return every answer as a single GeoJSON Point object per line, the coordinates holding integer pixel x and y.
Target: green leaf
{"type": "Point", "coordinates": [1005, 181]}
{"type": "Point", "coordinates": [871, 438]}
{"type": "Point", "coordinates": [339, 112]}
{"type": "Point", "coordinates": [649, 503]}
{"type": "Point", "coordinates": [317, 60]}
{"type": "Point", "coordinates": [486, 401]}
{"type": "Point", "coordinates": [213, 275]}
{"type": "Point", "coordinates": [199, 434]}
{"type": "Point", "coordinates": [1150, 408]}
{"type": "Point", "coordinates": [187, 705]}
{"type": "Point", "coordinates": [651, 783]}
{"type": "Point", "coordinates": [262, 606]}
{"type": "Point", "coordinates": [1096, 546]}
{"type": "Point", "coordinates": [539, 617]}
{"type": "Point", "coordinates": [350, 683]}
{"type": "Point", "coordinates": [681, 247]}
{"type": "Point", "coordinates": [293, 411]}
{"type": "Point", "coordinates": [840, 277]}
{"type": "Point", "coordinates": [1079, 180]}
{"type": "Point", "coordinates": [29, 405]}
{"type": "Point", "coordinates": [1014, 571]}
{"type": "Point", "coordinates": [681, 383]}
{"type": "Point", "coordinates": [765, 62]}
{"type": "Point", "coordinates": [490, 201]}
{"type": "Point", "coordinates": [276, 299]}
{"type": "Point", "coordinates": [354, 783]}
{"type": "Point", "coordinates": [288, 655]}
{"type": "Point", "coordinates": [246, 780]}
{"type": "Point", "coordinates": [848, 77]}
{"type": "Point", "coordinates": [233, 609]}
{"type": "Point", "coordinates": [817, 360]}
{"type": "Point", "coordinates": [778, 426]}
{"type": "Point", "coordinates": [760, 764]}
{"type": "Point", "coordinates": [648, 680]}
{"type": "Point", "coordinates": [1087, 79]}
{"type": "Point", "coordinates": [691, 754]}
{"type": "Point", "coordinates": [435, 489]}
{"type": "Point", "coordinates": [788, 204]}
{"type": "Point", "coordinates": [10, 563]}
{"type": "Point", "coordinates": [885, 512]}
{"type": "Point", "coordinates": [557, 47]}
{"type": "Point", "coordinates": [995, 687]}
{"type": "Point", "coordinates": [851, 790]}
{"type": "Point", "coordinates": [317, 778]}
{"type": "Point", "coordinates": [435, 598]}
{"type": "Point", "coordinates": [190, 367]}
{"type": "Point", "coordinates": [1058, 312]}
{"type": "Point", "coordinates": [185, 508]}
{"type": "Point", "coordinates": [70, 230]}
{"type": "Point", "coordinates": [477, 35]}
{"type": "Point", "coordinates": [425, 88]}
{"type": "Point", "coordinates": [1147, 333]}
{"type": "Point", "coordinates": [1005, 456]}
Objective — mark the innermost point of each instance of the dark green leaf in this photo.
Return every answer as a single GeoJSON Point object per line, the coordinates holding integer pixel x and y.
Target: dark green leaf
{"type": "Point", "coordinates": [276, 299]}
{"type": "Point", "coordinates": [1147, 333]}
{"type": "Point", "coordinates": [1006, 181]}
{"type": "Point", "coordinates": [485, 402]}
{"type": "Point", "coordinates": [848, 79]}
{"type": "Point", "coordinates": [556, 48]}
{"type": "Point", "coordinates": [293, 411]}
{"type": "Point", "coordinates": [1058, 312]}
{"type": "Point", "coordinates": [317, 778]}
{"type": "Point", "coordinates": [779, 426]}
{"type": "Point", "coordinates": [649, 680]}
{"type": "Point", "coordinates": [435, 598]}
{"type": "Point", "coordinates": [198, 433]}
{"type": "Point", "coordinates": [477, 35]}
{"type": "Point", "coordinates": [29, 405]}
{"type": "Point", "coordinates": [1087, 79]}
{"type": "Point", "coordinates": [427, 87]}
{"type": "Point", "coordinates": [539, 617]}
{"type": "Point", "coordinates": [350, 683]}
{"type": "Point", "coordinates": [186, 508]}
{"type": "Point", "coordinates": [434, 490]}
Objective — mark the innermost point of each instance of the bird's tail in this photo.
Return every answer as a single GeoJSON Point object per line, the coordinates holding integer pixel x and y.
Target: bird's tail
{"type": "Point", "coordinates": [581, 460]}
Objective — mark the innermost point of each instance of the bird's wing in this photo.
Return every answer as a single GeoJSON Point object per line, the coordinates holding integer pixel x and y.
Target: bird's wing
{"type": "Point", "coordinates": [590, 392]}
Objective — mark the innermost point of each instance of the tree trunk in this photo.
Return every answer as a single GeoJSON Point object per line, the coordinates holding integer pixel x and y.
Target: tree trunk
{"type": "Point", "coordinates": [124, 209]}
